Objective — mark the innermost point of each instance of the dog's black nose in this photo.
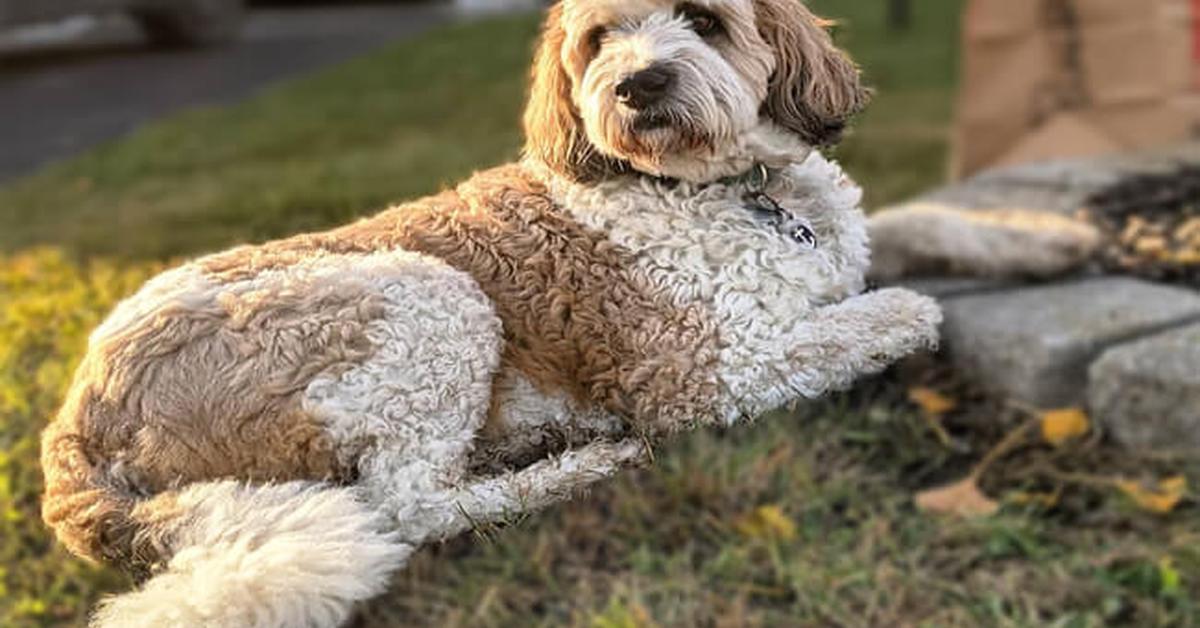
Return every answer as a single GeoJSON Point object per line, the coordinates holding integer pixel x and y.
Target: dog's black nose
{"type": "Point", "coordinates": [644, 88]}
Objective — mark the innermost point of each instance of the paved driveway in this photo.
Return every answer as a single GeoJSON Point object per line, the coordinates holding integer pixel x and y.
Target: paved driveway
{"type": "Point", "coordinates": [67, 88]}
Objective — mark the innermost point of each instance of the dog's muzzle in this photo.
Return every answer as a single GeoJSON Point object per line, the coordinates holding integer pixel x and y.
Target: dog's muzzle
{"type": "Point", "coordinates": [645, 88]}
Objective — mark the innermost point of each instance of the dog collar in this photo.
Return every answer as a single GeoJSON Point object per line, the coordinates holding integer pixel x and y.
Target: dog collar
{"type": "Point", "coordinates": [763, 205]}
{"type": "Point", "coordinates": [767, 209]}
{"type": "Point", "coordinates": [756, 178]}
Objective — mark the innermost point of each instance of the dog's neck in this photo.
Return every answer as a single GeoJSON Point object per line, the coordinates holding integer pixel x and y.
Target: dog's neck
{"type": "Point", "coordinates": [765, 145]}
{"type": "Point", "coordinates": [750, 162]}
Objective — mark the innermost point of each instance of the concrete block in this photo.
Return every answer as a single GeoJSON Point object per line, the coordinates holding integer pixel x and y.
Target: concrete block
{"type": "Point", "coordinates": [1147, 393]}
{"type": "Point", "coordinates": [1036, 343]}
{"type": "Point", "coordinates": [944, 287]}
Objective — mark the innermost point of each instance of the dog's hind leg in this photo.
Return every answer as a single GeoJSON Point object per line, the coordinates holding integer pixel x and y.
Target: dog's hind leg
{"type": "Point", "coordinates": [416, 406]}
{"type": "Point", "coordinates": [501, 497]}
{"type": "Point", "coordinates": [381, 354]}
{"type": "Point", "coordinates": [408, 415]}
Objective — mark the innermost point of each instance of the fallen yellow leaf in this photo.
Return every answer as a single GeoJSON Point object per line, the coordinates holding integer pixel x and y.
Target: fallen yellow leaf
{"type": "Point", "coordinates": [1151, 246]}
{"type": "Point", "coordinates": [963, 499]}
{"type": "Point", "coordinates": [767, 522]}
{"type": "Point", "coordinates": [931, 402]}
{"type": "Point", "coordinates": [1044, 500]}
{"type": "Point", "coordinates": [1159, 499]}
{"type": "Point", "coordinates": [934, 405]}
{"type": "Point", "coordinates": [1060, 426]}
{"type": "Point", "coordinates": [1185, 258]}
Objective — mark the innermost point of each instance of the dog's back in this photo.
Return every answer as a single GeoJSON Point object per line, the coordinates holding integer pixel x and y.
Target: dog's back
{"type": "Point", "coordinates": [232, 384]}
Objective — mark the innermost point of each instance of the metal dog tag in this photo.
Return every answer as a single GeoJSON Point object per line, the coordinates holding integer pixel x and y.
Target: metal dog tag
{"type": "Point", "coordinates": [793, 228]}
{"type": "Point", "coordinates": [802, 233]}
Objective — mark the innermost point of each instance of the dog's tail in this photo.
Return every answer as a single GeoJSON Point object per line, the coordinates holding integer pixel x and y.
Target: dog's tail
{"type": "Point", "coordinates": [220, 553]}
{"type": "Point", "coordinates": [295, 554]}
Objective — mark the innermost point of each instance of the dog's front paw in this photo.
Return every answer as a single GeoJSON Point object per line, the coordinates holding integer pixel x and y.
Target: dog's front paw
{"type": "Point", "coordinates": [860, 336]}
{"type": "Point", "coordinates": [889, 323]}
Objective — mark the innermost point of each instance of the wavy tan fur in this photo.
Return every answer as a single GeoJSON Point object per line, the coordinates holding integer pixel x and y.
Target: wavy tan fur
{"type": "Point", "coordinates": [553, 130]}
{"type": "Point", "coordinates": [816, 87]}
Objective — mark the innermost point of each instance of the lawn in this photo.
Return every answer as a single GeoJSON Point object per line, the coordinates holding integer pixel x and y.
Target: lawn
{"type": "Point", "coordinates": [805, 519]}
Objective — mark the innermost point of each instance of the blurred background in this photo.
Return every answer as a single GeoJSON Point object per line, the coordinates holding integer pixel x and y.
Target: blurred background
{"type": "Point", "coordinates": [134, 133]}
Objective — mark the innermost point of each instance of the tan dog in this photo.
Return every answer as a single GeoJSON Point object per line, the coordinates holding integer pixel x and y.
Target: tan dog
{"type": "Point", "coordinates": [268, 433]}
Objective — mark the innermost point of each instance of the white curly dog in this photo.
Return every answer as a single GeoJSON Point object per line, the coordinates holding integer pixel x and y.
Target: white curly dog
{"type": "Point", "coordinates": [264, 435]}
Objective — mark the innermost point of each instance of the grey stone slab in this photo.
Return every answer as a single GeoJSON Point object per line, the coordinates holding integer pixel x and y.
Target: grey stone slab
{"type": "Point", "coordinates": [1152, 161]}
{"type": "Point", "coordinates": [943, 287]}
{"type": "Point", "coordinates": [1188, 152]}
{"type": "Point", "coordinates": [1147, 393]}
{"type": "Point", "coordinates": [1063, 175]}
{"type": "Point", "coordinates": [1061, 186]}
{"type": "Point", "coordinates": [1005, 195]}
{"type": "Point", "coordinates": [1036, 343]}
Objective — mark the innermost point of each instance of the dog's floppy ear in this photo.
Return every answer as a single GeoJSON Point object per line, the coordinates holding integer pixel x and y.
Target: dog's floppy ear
{"type": "Point", "coordinates": [554, 132]}
{"type": "Point", "coordinates": [816, 87]}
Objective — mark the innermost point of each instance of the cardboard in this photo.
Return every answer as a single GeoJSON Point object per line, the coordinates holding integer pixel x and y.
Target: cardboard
{"type": "Point", "coordinates": [1000, 20]}
{"type": "Point", "coordinates": [1181, 55]}
{"type": "Point", "coordinates": [1124, 63]}
{"type": "Point", "coordinates": [1166, 122]}
{"type": "Point", "coordinates": [1067, 135]}
{"type": "Point", "coordinates": [1113, 11]}
{"type": "Point", "coordinates": [1010, 67]}
{"type": "Point", "coordinates": [1045, 79]}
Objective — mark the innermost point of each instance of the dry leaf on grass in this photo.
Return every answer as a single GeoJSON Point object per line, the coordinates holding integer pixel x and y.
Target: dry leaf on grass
{"type": "Point", "coordinates": [1160, 499]}
{"type": "Point", "coordinates": [1060, 426]}
{"type": "Point", "coordinates": [1042, 500]}
{"type": "Point", "coordinates": [767, 522]}
{"type": "Point", "coordinates": [934, 405]}
{"type": "Point", "coordinates": [931, 402]}
{"type": "Point", "coordinates": [963, 499]}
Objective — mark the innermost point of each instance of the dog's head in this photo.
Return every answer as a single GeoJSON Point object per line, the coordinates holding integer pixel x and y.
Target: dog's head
{"type": "Point", "coordinates": [659, 85]}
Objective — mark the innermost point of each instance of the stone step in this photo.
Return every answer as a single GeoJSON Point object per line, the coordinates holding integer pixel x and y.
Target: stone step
{"type": "Point", "coordinates": [945, 287]}
{"type": "Point", "coordinates": [1036, 343]}
{"type": "Point", "coordinates": [1147, 393]}
{"type": "Point", "coordinates": [1001, 194]}
{"type": "Point", "coordinates": [1060, 187]}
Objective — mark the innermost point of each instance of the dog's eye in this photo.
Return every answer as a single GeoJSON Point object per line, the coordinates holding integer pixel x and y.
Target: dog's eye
{"type": "Point", "coordinates": [595, 39]}
{"type": "Point", "coordinates": [704, 22]}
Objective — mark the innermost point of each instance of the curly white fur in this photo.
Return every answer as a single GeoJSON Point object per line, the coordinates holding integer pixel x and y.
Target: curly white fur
{"type": "Point", "coordinates": [783, 309]}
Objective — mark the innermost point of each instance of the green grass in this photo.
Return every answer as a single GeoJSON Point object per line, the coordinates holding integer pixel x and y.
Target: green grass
{"type": "Point", "coordinates": [48, 307]}
{"type": "Point", "coordinates": [664, 546]}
